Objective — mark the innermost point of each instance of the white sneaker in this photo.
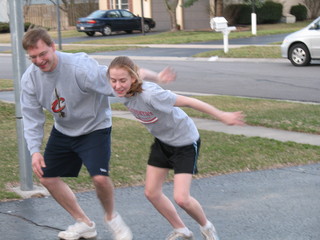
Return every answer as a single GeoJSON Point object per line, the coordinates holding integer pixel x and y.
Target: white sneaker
{"type": "Point", "coordinates": [209, 233]}
{"type": "Point", "coordinates": [176, 235]}
{"type": "Point", "coordinates": [119, 229]}
{"type": "Point", "coordinates": [78, 230]}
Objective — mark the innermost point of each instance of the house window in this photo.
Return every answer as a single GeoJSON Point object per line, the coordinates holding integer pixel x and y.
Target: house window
{"type": "Point", "coordinates": [119, 4]}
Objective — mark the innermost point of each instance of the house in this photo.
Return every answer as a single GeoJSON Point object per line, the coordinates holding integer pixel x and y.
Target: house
{"type": "Point", "coordinates": [4, 11]}
{"type": "Point", "coordinates": [43, 12]}
{"type": "Point", "coordinates": [195, 17]}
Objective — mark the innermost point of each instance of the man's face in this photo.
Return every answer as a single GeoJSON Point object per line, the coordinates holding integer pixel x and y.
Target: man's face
{"type": "Point", "coordinates": [43, 56]}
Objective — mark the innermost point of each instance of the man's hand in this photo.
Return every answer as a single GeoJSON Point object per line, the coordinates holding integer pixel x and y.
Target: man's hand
{"type": "Point", "coordinates": [38, 164]}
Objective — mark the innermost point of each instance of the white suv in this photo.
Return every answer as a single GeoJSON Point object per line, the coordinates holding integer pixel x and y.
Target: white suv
{"type": "Point", "coordinates": [302, 46]}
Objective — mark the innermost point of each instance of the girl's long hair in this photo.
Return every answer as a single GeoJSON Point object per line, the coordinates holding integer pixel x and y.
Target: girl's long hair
{"type": "Point", "coordinates": [127, 64]}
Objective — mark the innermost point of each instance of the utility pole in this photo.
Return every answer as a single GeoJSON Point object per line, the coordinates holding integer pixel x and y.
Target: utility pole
{"type": "Point", "coordinates": [59, 25]}
{"type": "Point", "coordinates": [142, 18]}
{"type": "Point", "coordinates": [19, 66]}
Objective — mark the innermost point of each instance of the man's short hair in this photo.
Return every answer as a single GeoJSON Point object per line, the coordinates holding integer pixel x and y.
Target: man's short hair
{"type": "Point", "coordinates": [31, 38]}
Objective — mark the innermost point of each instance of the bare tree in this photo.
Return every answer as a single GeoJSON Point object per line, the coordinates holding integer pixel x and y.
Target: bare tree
{"type": "Point", "coordinates": [171, 6]}
{"type": "Point", "coordinates": [216, 7]}
{"type": "Point", "coordinates": [74, 10]}
{"type": "Point", "coordinates": [26, 8]}
{"type": "Point", "coordinates": [212, 8]}
{"type": "Point", "coordinates": [314, 7]}
{"type": "Point", "coordinates": [219, 7]}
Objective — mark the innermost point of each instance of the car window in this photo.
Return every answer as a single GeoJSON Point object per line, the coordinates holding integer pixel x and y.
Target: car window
{"type": "Point", "coordinates": [127, 14]}
{"type": "Point", "coordinates": [113, 14]}
{"type": "Point", "coordinates": [97, 14]}
{"type": "Point", "coordinates": [315, 25]}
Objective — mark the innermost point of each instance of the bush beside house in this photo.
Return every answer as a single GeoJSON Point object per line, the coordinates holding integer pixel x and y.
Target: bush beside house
{"type": "Point", "coordinates": [300, 12]}
{"type": "Point", "coordinates": [269, 12]}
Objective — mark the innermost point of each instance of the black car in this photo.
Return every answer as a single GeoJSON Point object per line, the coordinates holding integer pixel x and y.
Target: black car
{"type": "Point", "coordinates": [108, 21]}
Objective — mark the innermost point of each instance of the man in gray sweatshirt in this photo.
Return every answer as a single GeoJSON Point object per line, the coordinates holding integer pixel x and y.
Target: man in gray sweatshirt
{"type": "Point", "coordinates": [74, 88]}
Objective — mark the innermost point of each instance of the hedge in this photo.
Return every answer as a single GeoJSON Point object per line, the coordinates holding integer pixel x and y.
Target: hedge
{"type": "Point", "coordinates": [269, 12]}
{"type": "Point", "coordinates": [300, 12]}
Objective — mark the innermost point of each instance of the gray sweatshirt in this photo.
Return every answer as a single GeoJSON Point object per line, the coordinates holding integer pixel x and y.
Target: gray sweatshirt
{"type": "Point", "coordinates": [78, 89]}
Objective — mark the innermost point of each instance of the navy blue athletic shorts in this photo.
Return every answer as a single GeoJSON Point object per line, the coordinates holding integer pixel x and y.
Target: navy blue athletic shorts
{"type": "Point", "coordinates": [64, 155]}
{"type": "Point", "coordinates": [180, 159]}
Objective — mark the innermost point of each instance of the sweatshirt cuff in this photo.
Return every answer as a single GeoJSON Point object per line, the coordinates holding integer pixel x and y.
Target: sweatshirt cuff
{"type": "Point", "coordinates": [34, 150]}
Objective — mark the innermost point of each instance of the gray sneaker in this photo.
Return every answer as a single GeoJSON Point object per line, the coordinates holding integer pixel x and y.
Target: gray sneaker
{"type": "Point", "coordinates": [176, 235]}
{"type": "Point", "coordinates": [119, 229]}
{"type": "Point", "coordinates": [78, 230]}
{"type": "Point", "coordinates": [209, 233]}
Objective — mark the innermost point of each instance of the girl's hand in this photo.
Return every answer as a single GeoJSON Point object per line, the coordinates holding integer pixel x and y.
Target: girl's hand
{"type": "Point", "coordinates": [232, 118]}
{"type": "Point", "coordinates": [167, 75]}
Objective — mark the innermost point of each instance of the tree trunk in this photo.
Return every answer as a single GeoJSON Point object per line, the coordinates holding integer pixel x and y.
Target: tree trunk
{"type": "Point", "coordinates": [219, 8]}
{"type": "Point", "coordinates": [314, 7]}
{"type": "Point", "coordinates": [171, 6]}
{"type": "Point", "coordinates": [212, 9]}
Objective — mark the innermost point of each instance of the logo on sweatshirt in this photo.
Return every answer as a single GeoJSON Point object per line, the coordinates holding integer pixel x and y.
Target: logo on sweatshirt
{"type": "Point", "coordinates": [145, 117]}
{"type": "Point", "coordinates": [58, 104]}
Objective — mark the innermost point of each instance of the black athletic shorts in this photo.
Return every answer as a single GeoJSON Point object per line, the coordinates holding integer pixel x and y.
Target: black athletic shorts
{"type": "Point", "coordinates": [180, 159]}
{"type": "Point", "coordinates": [64, 155]}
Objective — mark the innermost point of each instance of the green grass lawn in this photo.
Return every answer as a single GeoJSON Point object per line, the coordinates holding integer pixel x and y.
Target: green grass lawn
{"type": "Point", "coordinates": [220, 153]}
{"type": "Point", "coordinates": [245, 52]}
{"type": "Point", "coordinates": [6, 84]}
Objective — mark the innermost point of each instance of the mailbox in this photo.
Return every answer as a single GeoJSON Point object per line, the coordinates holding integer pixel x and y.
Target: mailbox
{"type": "Point", "coordinates": [219, 23]}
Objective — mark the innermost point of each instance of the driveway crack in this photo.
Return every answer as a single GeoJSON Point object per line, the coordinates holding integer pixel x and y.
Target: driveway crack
{"type": "Point", "coordinates": [30, 221]}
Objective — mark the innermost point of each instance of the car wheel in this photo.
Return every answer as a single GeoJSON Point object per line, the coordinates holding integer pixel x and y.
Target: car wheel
{"type": "Point", "coordinates": [106, 31]}
{"type": "Point", "coordinates": [299, 55]}
{"type": "Point", "coordinates": [146, 27]}
{"type": "Point", "coordinates": [90, 34]}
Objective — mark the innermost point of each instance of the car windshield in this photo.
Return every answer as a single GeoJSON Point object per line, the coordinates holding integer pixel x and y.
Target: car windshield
{"type": "Point", "coordinates": [97, 14]}
{"type": "Point", "coordinates": [317, 24]}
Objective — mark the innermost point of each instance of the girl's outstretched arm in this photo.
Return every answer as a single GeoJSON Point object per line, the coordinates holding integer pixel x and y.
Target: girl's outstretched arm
{"type": "Point", "coordinates": [229, 118]}
{"type": "Point", "coordinates": [167, 75]}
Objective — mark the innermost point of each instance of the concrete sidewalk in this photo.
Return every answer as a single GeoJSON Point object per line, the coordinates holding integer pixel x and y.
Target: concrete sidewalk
{"type": "Point", "coordinates": [249, 131]}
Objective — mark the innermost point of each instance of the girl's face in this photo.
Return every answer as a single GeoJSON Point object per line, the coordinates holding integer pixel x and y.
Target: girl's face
{"type": "Point", "coordinates": [121, 81]}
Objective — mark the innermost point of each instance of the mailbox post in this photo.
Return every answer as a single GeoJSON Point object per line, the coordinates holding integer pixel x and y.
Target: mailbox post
{"type": "Point", "coordinates": [220, 24]}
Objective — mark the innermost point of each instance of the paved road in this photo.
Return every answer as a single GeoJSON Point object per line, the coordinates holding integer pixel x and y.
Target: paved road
{"type": "Point", "coordinates": [271, 79]}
